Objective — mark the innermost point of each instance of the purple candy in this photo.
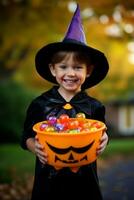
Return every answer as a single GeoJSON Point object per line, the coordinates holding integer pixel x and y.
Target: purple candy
{"type": "Point", "coordinates": [59, 127]}
{"type": "Point", "coordinates": [52, 120]}
{"type": "Point", "coordinates": [43, 126]}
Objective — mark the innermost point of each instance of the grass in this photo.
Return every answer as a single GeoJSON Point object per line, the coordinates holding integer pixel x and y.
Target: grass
{"type": "Point", "coordinates": [119, 146]}
{"type": "Point", "coordinates": [16, 162]}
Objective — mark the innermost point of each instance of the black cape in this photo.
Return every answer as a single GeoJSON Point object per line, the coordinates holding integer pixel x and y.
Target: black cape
{"type": "Point", "coordinates": [63, 184]}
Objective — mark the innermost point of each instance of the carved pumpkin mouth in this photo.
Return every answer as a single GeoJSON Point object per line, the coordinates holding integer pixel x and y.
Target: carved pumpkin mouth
{"type": "Point", "coordinates": [70, 160]}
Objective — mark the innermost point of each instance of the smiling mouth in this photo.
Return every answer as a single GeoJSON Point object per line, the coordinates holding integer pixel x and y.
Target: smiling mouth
{"type": "Point", "coordinates": [70, 81]}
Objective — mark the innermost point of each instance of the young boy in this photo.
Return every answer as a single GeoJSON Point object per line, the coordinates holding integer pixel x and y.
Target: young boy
{"type": "Point", "coordinates": [74, 67]}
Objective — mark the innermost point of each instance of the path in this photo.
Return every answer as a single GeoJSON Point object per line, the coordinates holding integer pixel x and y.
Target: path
{"type": "Point", "coordinates": [117, 179]}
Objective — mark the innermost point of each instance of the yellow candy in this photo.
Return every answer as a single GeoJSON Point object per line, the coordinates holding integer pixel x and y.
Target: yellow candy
{"type": "Point", "coordinates": [49, 129]}
{"type": "Point", "coordinates": [80, 115]}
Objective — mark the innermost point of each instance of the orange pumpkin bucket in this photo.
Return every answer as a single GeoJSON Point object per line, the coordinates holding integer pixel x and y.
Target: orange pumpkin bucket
{"type": "Point", "coordinates": [71, 148]}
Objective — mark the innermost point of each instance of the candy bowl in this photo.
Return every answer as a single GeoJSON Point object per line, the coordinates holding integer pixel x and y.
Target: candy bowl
{"type": "Point", "coordinates": [72, 143]}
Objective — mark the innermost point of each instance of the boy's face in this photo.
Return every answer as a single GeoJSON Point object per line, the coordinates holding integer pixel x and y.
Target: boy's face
{"type": "Point", "coordinates": [69, 74]}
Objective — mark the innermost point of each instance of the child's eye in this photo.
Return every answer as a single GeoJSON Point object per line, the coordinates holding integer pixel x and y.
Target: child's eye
{"type": "Point", "coordinates": [78, 67]}
{"type": "Point", "coordinates": [63, 66]}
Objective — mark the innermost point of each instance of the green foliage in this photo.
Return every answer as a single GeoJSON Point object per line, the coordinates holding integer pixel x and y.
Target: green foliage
{"type": "Point", "coordinates": [15, 162]}
{"type": "Point", "coordinates": [14, 101]}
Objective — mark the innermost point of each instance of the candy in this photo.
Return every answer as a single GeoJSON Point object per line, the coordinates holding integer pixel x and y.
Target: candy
{"type": "Point", "coordinates": [74, 131]}
{"type": "Point", "coordinates": [52, 120]}
{"type": "Point", "coordinates": [64, 118]}
{"type": "Point", "coordinates": [74, 124]}
{"type": "Point", "coordinates": [43, 126]}
{"type": "Point", "coordinates": [50, 129]}
{"type": "Point", "coordinates": [80, 115]}
{"type": "Point", "coordinates": [68, 125]}
{"type": "Point", "coordinates": [97, 124]}
{"type": "Point", "coordinates": [59, 127]}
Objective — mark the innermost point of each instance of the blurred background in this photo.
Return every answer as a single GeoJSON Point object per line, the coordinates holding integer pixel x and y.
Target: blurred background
{"type": "Point", "coordinates": [28, 25]}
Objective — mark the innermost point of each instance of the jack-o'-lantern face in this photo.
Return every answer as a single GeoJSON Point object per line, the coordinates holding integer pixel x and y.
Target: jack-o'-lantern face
{"type": "Point", "coordinates": [70, 149]}
{"type": "Point", "coordinates": [69, 153]}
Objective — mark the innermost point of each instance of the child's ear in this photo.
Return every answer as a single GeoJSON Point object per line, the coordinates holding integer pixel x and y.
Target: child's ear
{"type": "Point", "coordinates": [52, 69]}
{"type": "Point", "coordinates": [89, 70]}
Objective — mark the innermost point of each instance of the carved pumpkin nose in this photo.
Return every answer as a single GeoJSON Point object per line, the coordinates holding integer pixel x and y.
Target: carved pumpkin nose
{"type": "Point", "coordinates": [71, 157]}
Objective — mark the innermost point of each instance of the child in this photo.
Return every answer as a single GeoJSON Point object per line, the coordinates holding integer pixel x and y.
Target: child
{"type": "Point", "coordinates": [74, 67]}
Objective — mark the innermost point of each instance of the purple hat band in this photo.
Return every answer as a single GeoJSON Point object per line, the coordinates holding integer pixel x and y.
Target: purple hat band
{"type": "Point", "coordinates": [75, 30]}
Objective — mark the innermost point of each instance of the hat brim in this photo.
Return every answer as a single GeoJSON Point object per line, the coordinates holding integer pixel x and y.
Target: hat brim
{"type": "Point", "coordinates": [98, 59]}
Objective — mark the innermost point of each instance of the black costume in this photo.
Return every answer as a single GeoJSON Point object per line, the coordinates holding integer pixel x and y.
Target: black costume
{"type": "Point", "coordinates": [63, 184]}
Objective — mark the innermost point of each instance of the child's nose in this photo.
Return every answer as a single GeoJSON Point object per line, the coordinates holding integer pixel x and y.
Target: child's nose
{"type": "Point", "coordinates": [70, 72]}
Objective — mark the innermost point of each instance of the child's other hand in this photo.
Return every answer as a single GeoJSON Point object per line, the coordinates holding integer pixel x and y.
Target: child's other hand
{"type": "Point", "coordinates": [103, 143]}
{"type": "Point", "coordinates": [39, 151]}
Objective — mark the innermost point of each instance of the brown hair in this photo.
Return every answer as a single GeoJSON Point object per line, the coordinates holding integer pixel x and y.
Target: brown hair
{"type": "Point", "coordinates": [78, 56]}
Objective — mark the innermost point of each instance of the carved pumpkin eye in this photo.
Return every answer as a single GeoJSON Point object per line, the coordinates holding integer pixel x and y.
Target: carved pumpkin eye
{"type": "Point", "coordinates": [66, 150]}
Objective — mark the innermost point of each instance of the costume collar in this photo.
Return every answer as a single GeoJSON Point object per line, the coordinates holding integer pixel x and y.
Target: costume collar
{"type": "Point", "coordinates": [55, 97]}
{"type": "Point", "coordinates": [79, 102]}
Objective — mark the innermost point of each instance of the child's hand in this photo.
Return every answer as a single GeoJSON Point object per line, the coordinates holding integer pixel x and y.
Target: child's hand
{"type": "Point", "coordinates": [39, 151]}
{"type": "Point", "coordinates": [103, 143]}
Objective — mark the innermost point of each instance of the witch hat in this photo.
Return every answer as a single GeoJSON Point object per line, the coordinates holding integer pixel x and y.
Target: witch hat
{"type": "Point", "coordinates": [74, 40]}
{"type": "Point", "coordinates": [75, 30]}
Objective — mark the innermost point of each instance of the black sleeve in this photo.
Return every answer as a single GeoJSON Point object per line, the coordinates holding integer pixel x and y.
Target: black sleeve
{"type": "Point", "coordinates": [34, 114]}
{"type": "Point", "coordinates": [99, 113]}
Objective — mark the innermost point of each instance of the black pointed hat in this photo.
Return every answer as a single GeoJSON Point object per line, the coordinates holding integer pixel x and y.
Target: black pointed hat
{"type": "Point", "coordinates": [74, 40]}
